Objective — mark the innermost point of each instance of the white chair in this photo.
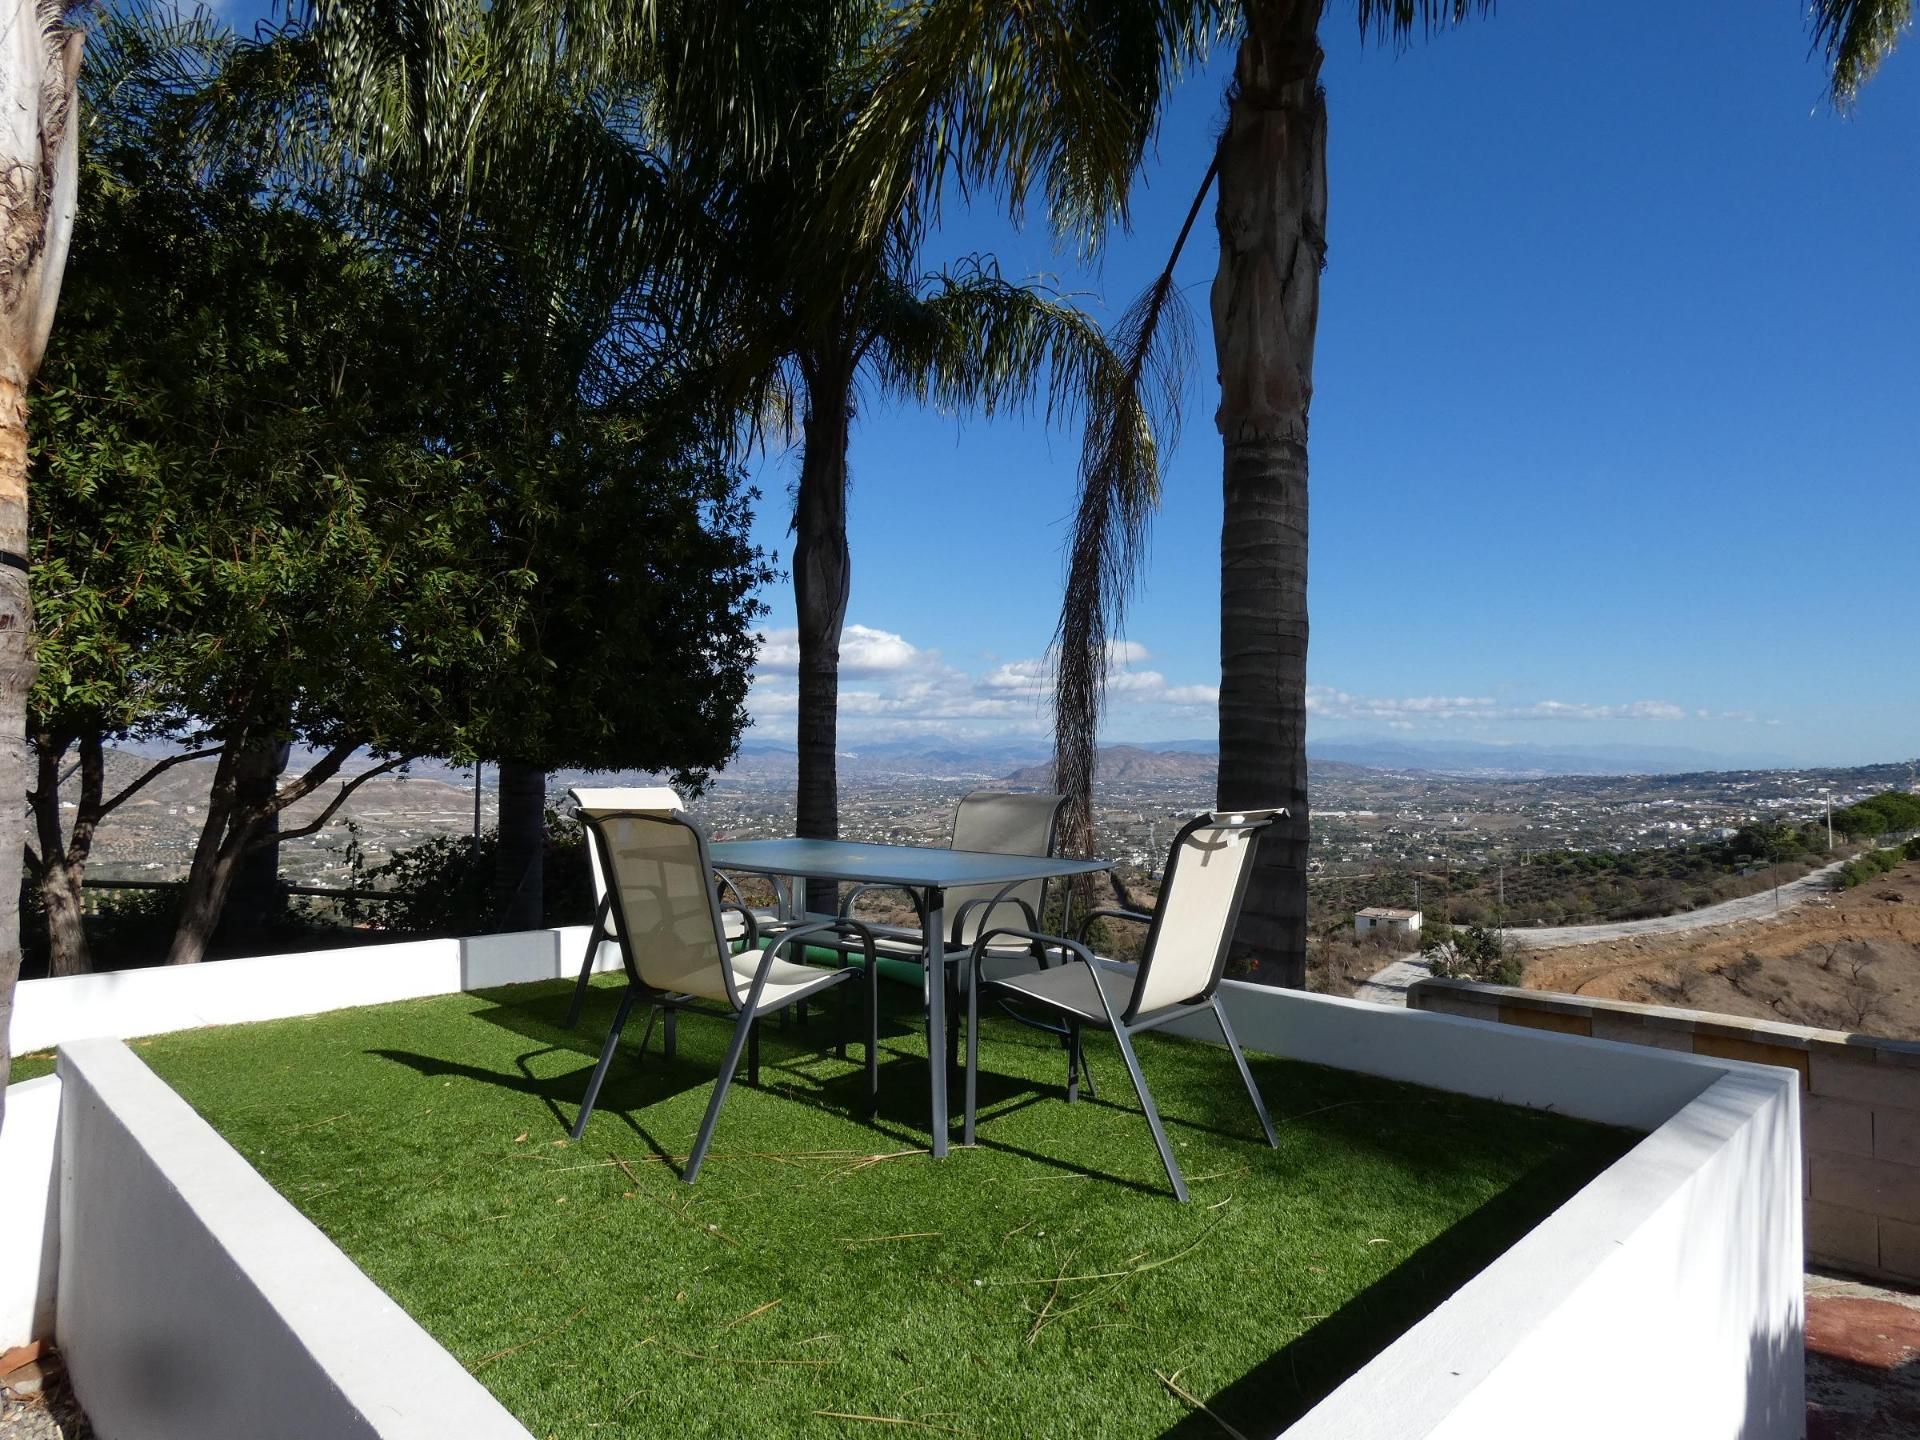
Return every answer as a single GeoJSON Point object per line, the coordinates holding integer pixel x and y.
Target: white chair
{"type": "Point", "coordinates": [676, 953]}
{"type": "Point", "coordinates": [1179, 971]}
{"type": "Point", "coordinates": [648, 800]}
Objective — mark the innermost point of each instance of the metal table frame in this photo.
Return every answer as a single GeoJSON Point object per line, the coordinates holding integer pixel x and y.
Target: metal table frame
{"type": "Point", "coordinates": [924, 869]}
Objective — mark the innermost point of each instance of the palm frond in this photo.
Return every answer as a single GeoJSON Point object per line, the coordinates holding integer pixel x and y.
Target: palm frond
{"type": "Point", "coordinates": [1400, 20]}
{"type": "Point", "coordinates": [1855, 36]}
{"type": "Point", "coordinates": [1008, 99]}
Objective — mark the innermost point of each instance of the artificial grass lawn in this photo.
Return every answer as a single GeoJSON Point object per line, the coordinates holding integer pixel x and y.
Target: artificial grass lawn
{"type": "Point", "coordinates": [818, 1282]}
{"type": "Point", "coordinates": [30, 1067]}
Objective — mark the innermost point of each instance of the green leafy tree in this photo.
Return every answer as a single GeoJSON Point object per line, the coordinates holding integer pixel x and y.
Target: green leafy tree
{"type": "Point", "coordinates": [802, 305]}
{"type": "Point", "coordinates": [253, 534]}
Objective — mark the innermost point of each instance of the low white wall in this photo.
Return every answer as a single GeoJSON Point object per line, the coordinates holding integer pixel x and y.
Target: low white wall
{"type": "Point", "coordinates": [196, 1302]}
{"type": "Point", "coordinates": [1663, 1299]}
{"type": "Point", "coordinates": [1612, 1084]}
{"type": "Point", "coordinates": [29, 1209]}
{"type": "Point", "coordinates": [126, 1003]}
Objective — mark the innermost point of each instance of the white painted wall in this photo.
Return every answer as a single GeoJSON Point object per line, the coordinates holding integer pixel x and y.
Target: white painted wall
{"type": "Point", "coordinates": [196, 1302]}
{"type": "Point", "coordinates": [29, 1209]}
{"type": "Point", "coordinates": [1680, 1264]}
{"type": "Point", "coordinates": [1664, 1299]}
{"type": "Point", "coordinates": [127, 1003]}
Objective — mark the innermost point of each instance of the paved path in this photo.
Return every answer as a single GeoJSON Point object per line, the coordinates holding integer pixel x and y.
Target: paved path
{"type": "Point", "coordinates": [1750, 907]}
{"type": "Point", "coordinates": [1390, 986]}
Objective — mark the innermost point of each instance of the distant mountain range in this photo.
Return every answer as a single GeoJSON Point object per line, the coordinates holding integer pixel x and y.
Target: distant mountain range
{"type": "Point", "coordinates": [1029, 762]}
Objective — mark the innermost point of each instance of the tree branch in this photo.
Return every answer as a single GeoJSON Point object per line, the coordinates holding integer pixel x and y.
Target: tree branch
{"type": "Point", "coordinates": [316, 775]}
{"type": "Point", "coordinates": [334, 804]}
{"type": "Point", "coordinates": [108, 807]}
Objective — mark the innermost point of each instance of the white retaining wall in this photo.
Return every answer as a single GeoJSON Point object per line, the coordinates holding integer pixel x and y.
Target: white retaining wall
{"type": "Point", "coordinates": [29, 1209]}
{"type": "Point", "coordinates": [1663, 1299]}
{"type": "Point", "coordinates": [127, 1003]}
{"type": "Point", "coordinates": [196, 1302]}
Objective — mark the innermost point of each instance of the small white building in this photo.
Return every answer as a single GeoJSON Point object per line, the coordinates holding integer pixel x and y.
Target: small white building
{"type": "Point", "coordinates": [1382, 917]}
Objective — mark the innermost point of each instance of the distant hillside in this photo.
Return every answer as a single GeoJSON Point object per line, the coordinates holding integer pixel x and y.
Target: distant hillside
{"type": "Point", "coordinates": [1140, 765]}
{"type": "Point", "coordinates": [1133, 765]}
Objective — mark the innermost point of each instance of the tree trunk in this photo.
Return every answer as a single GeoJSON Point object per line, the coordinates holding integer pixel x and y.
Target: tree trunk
{"type": "Point", "coordinates": [822, 574]}
{"type": "Point", "coordinates": [40, 158]}
{"type": "Point", "coordinates": [257, 900]}
{"type": "Point", "coordinates": [216, 856]}
{"type": "Point", "coordinates": [519, 860]}
{"type": "Point", "coordinates": [1266, 304]}
{"type": "Point", "coordinates": [62, 865]}
{"type": "Point", "coordinates": [16, 679]}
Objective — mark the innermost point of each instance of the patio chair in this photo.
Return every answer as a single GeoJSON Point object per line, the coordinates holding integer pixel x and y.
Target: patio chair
{"type": "Point", "coordinates": [994, 822]}
{"type": "Point", "coordinates": [675, 951]}
{"type": "Point", "coordinates": [648, 799]}
{"type": "Point", "coordinates": [1178, 974]}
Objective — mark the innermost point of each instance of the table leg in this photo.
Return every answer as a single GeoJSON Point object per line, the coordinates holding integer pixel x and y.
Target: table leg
{"type": "Point", "coordinates": [936, 973]}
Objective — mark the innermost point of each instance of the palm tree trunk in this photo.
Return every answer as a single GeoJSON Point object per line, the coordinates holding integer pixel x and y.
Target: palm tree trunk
{"type": "Point", "coordinates": [822, 575]}
{"type": "Point", "coordinates": [520, 859]}
{"type": "Point", "coordinates": [1266, 305]}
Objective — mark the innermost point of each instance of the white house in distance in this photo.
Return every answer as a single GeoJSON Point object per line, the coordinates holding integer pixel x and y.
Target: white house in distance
{"type": "Point", "coordinates": [1381, 917]}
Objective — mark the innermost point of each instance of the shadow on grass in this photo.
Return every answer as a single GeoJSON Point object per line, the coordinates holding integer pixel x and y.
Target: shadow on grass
{"type": "Point", "coordinates": [1290, 1382]}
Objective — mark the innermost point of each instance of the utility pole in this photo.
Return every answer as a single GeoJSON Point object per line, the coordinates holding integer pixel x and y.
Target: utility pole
{"type": "Point", "coordinates": [1827, 790]}
{"type": "Point", "coordinates": [476, 808]}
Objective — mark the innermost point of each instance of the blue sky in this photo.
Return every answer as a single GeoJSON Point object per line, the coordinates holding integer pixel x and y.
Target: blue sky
{"type": "Point", "coordinates": [1616, 430]}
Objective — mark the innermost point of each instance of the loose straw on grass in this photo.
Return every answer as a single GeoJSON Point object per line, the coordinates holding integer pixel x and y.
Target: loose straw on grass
{"type": "Point", "coordinates": [486, 1360]}
{"type": "Point", "coordinates": [890, 1420]}
{"type": "Point", "coordinates": [1172, 1383]}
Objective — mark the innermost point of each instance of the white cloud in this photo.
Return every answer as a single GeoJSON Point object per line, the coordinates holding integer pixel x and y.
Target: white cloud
{"type": "Point", "coordinates": [863, 650]}
{"type": "Point", "coordinates": [891, 687]}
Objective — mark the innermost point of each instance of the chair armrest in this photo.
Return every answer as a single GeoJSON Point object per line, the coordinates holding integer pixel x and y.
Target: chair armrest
{"type": "Point", "coordinates": [752, 936]}
{"type": "Point", "coordinates": [841, 926]}
{"type": "Point", "coordinates": [1086, 921]}
{"type": "Point", "coordinates": [1001, 897]}
{"type": "Point", "coordinates": [919, 906]}
{"type": "Point", "coordinates": [1038, 941]}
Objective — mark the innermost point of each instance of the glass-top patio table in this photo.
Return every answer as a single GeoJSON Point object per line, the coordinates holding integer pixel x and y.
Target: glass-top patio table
{"type": "Point", "coordinates": [924, 869]}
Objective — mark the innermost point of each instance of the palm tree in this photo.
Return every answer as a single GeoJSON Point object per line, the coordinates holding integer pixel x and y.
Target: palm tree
{"type": "Point", "coordinates": [811, 307]}
{"type": "Point", "coordinates": [1270, 164]}
{"type": "Point", "coordinates": [39, 178]}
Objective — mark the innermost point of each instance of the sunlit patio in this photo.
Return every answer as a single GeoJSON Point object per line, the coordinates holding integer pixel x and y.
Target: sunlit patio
{"type": "Point", "coordinates": [825, 1276]}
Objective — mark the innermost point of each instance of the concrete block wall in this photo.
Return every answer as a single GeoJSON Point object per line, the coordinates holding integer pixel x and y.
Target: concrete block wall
{"type": "Point", "coordinates": [1859, 1106]}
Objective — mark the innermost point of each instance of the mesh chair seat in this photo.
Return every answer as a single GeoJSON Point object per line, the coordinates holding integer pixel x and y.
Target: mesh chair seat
{"type": "Point", "coordinates": [1070, 989]}
{"type": "Point", "coordinates": [1203, 885]}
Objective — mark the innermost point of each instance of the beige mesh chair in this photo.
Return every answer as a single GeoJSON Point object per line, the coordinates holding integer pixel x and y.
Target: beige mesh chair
{"type": "Point", "coordinates": [673, 941]}
{"type": "Point", "coordinates": [1178, 974]}
{"type": "Point", "coordinates": [644, 799]}
{"type": "Point", "coordinates": [993, 822]}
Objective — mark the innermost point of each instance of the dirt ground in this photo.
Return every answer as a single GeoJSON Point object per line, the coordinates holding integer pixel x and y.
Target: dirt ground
{"type": "Point", "coordinates": [1849, 963]}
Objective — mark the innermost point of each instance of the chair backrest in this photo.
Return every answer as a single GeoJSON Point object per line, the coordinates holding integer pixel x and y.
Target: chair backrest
{"type": "Point", "coordinates": [665, 910]}
{"type": "Point", "coordinates": [649, 799]}
{"type": "Point", "coordinates": [1200, 893]}
{"type": "Point", "coordinates": [997, 822]}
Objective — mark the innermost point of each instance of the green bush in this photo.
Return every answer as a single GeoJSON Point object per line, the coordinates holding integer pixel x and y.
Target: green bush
{"type": "Point", "coordinates": [1863, 868]}
{"type": "Point", "coordinates": [447, 883]}
{"type": "Point", "coordinates": [1471, 953]}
